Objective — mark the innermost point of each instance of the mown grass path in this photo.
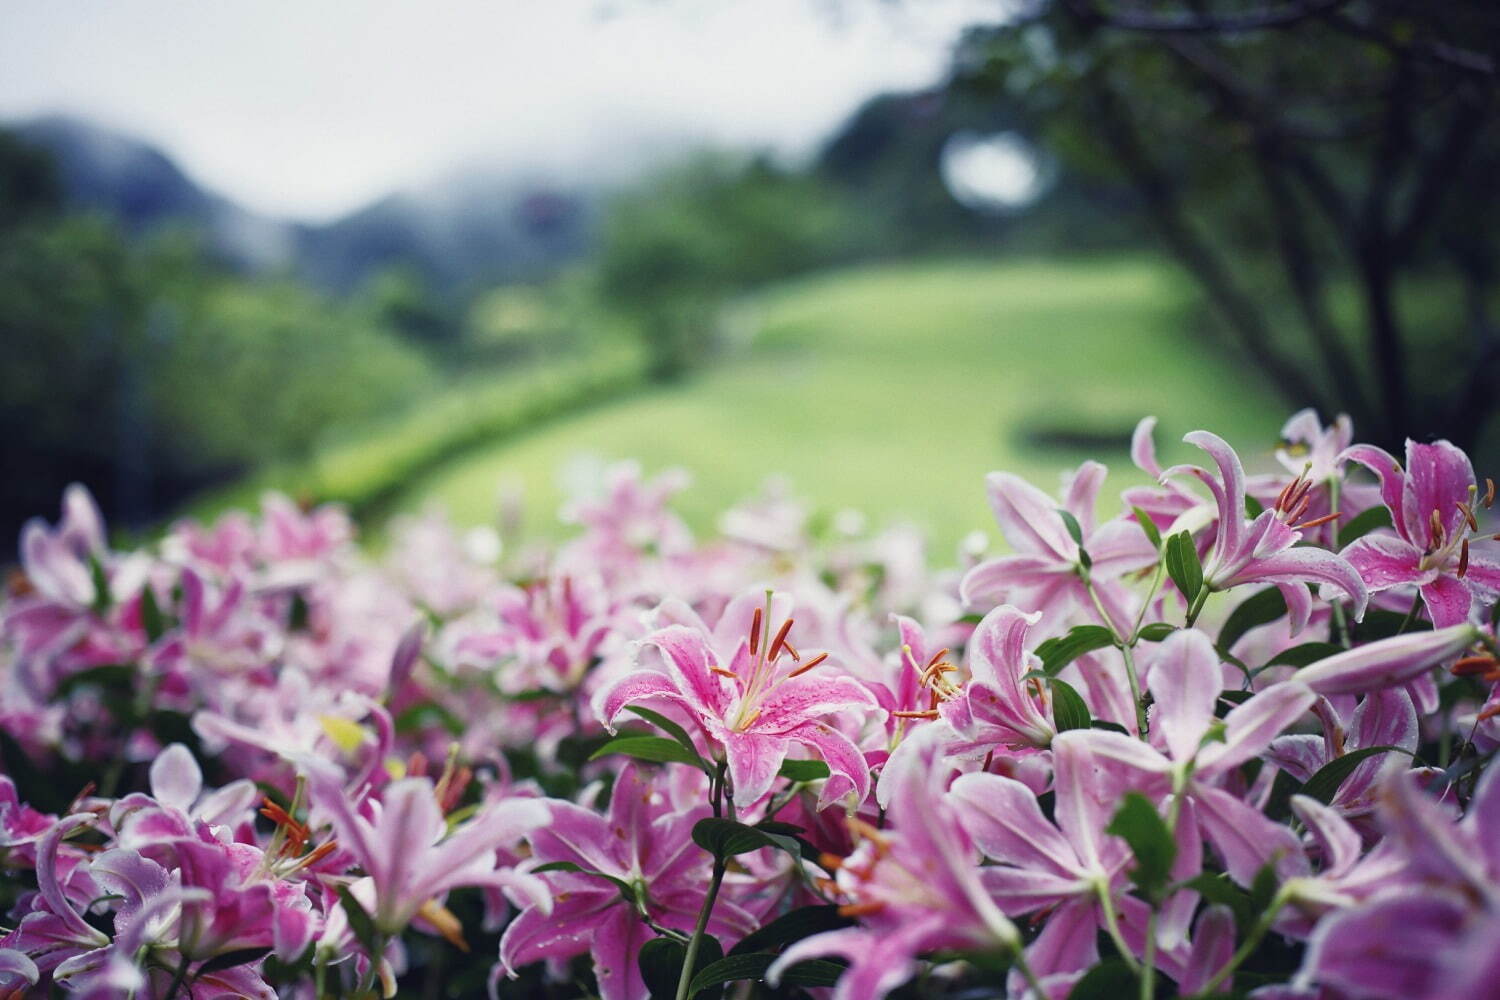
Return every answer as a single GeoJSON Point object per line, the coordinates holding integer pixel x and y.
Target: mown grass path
{"type": "Point", "coordinates": [894, 389]}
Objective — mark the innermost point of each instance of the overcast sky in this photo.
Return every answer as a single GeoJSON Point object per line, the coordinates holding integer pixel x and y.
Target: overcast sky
{"type": "Point", "coordinates": [310, 108]}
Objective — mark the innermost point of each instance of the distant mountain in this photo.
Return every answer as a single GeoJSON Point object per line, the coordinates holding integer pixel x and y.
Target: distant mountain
{"type": "Point", "coordinates": [464, 231]}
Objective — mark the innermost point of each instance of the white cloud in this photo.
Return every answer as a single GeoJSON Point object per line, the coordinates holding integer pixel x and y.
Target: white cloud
{"type": "Point", "coordinates": [311, 108]}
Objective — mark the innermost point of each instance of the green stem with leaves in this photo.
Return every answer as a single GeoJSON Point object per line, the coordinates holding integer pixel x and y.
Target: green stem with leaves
{"type": "Point", "coordinates": [690, 956]}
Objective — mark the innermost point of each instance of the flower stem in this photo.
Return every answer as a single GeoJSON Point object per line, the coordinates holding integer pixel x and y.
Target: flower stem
{"type": "Point", "coordinates": [1135, 691]}
{"type": "Point", "coordinates": [1148, 960]}
{"type": "Point", "coordinates": [1257, 933]}
{"type": "Point", "coordinates": [1112, 925]}
{"type": "Point", "coordinates": [690, 956]}
{"type": "Point", "coordinates": [1027, 974]}
{"type": "Point", "coordinates": [1196, 608]}
{"type": "Point", "coordinates": [178, 978]}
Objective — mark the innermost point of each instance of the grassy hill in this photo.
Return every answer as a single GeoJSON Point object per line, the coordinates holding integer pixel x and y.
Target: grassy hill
{"type": "Point", "coordinates": [895, 388]}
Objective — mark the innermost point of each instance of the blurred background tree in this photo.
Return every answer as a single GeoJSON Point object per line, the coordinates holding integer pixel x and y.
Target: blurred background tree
{"type": "Point", "coordinates": [1323, 168]}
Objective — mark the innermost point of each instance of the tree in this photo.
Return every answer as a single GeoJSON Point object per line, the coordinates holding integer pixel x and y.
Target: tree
{"type": "Point", "coordinates": [1288, 154]}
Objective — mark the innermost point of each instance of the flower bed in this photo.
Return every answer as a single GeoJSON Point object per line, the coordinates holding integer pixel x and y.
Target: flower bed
{"type": "Point", "coordinates": [1230, 739]}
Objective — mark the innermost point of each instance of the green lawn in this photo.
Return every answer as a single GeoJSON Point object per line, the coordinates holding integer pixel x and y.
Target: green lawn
{"type": "Point", "coordinates": [894, 389]}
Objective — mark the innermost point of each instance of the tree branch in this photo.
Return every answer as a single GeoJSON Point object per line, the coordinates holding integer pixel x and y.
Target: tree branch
{"type": "Point", "coordinates": [1157, 190]}
{"type": "Point", "coordinates": [1197, 23]}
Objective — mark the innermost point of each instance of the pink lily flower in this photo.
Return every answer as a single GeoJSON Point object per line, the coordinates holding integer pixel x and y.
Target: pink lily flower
{"type": "Point", "coordinates": [996, 708]}
{"type": "Point", "coordinates": [1165, 502]}
{"type": "Point", "coordinates": [1383, 718]}
{"type": "Point", "coordinates": [245, 907]}
{"type": "Point", "coordinates": [1072, 866]}
{"type": "Point", "coordinates": [1388, 662]}
{"type": "Point", "coordinates": [403, 843]}
{"type": "Point", "coordinates": [1432, 504]}
{"type": "Point", "coordinates": [552, 628]}
{"type": "Point", "coordinates": [644, 842]}
{"type": "Point", "coordinates": [1045, 573]}
{"type": "Point", "coordinates": [1307, 445]}
{"type": "Point", "coordinates": [1430, 935]}
{"type": "Point", "coordinates": [1262, 551]}
{"type": "Point", "coordinates": [916, 887]}
{"type": "Point", "coordinates": [766, 701]}
{"type": "Point", "coordinates": [1188, 755]}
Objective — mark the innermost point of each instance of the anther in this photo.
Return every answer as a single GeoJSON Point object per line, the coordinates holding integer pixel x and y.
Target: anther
{"type": "Point", "coordinates": [776, 643]}
{"type": "Point", "coordinates": [1463, 559]}
{"type": "Point", "coordinates": [1469, 515]}
{"type": "Point", "coordinates": [1489, 493]}
{"type": "Point", "coordinates": [755, 633]}
{"type": "Point", "coordinates": [1472, 666]}
{"type": "Point", "coordinates": [929, 714]}
{"type": "Point", "coordinates": [861, 909]}
{"type": "Point", "coordinates": [1317, 522]}
{"type": "Point", "coordinates": [815, 661]}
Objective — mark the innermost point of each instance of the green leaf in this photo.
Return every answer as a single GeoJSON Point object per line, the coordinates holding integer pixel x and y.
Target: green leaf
{"type": "Point", "coordinates": [667, 726]}
{"type": "Point", "coordinates": [1183, 565]}
{"type": "Point", "coordinates": [1263, 887]}
{"type": "Point", "coordinates": [814, 972]}
{"type": "Point", "coordinates": [1363, 523]}
{"type": "Point", "coordinates": [230, 959]}
{"type": "Point", "coordinates": [1253, 507]}
{"type": "Point", "coordinates": [152, 619]}
{"type": "Point", "coordinates": [299, 615]}
{"type": "Point", "coordinates": [424, 715]}
{"type": "Point", "coordinates": [1113, 727]}
{"type": "Point", "coordinates": [1111, 979]}
{"type": "Point", "coordinates": [805, 921]}
{"type": "Point", "coordinates": [1382, 624]}
{"type": "Point", "coordinates": [626, 889]}
{"type": "Point", "coordinates": [1070, 522]}
{"type": "Point", "coordinates": [1217, 888]}
{"type": "Point", "coordinates": [1069, 710]}
{"type": "Point", "coordinates": [804, 770]}
{"type": "Point", "coordinates": [657, 749]}
{"type": "Point", "coordinates": [1060, 651]}
{"type": "Point", "coordinates": [731, 968]}
{"type": "Point", "coordinates": [725, 838]}
{"type": "Point", "coordinates": [660, 961]}
{"type": "Point", "coordinates": [1278, 805]}
{"type": "Point", "coordinates": [1324, 784]}
{"type": "Point", "coordinates": [1262, 608]}
{"type": "Point", "coordinates": [1304, 655]}
{"type": "Point", "coordinates": [116, 676]}
{"type": "Point", "coordinates": [359, 921]}
{"type": "Point", "coordinates": [1156, 631]}
{"type": "Point", "coordinates": [1142, 827]}
{"type": "Point", "coordinates": [1149, 527]}
{"type": "Point", "coordinates": [102, 596]}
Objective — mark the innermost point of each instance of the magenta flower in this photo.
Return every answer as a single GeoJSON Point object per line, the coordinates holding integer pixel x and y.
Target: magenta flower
{"type": "Point", "coordinates": [1072, 867]}
{"type": "Point", "coordinates": [997, 708]}
{"type": "Point", "coordinates": [916, 888]}
{"type": "Point", "coordinates": [404, 844]}
{"type": "Point", "coordinates": [1432, 504]}
{"type": "Point", "coordinates": [1387, 662]}
{"type": "Point", "coordinates": [1046, 571]}
{"type": "Point", "coordinates": [767, 700]}
{"type": "Point", "coordinates": [1384, 718]}
{"type": "Point", "coordinates": [1429, 935]}
{"type": "Point", "coordinates": [1191, 750]}
{"type": "Point", "coordinates": [1262, 551]}
{"type": "Point", "coordinates": [645, 844]}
